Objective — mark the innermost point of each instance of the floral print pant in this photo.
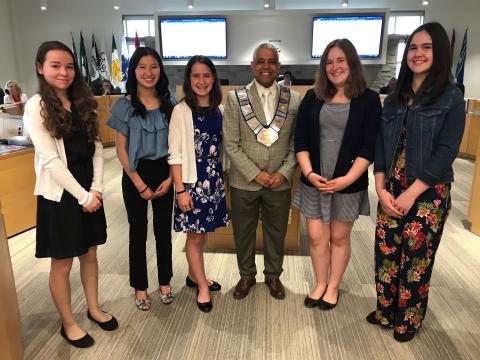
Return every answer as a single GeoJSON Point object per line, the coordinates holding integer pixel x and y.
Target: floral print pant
{"type": "Point", "coordinates": [405, 251]}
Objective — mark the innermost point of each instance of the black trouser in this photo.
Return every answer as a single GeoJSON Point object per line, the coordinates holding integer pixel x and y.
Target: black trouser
{"type": "Point", "coordinates": [152, 172]}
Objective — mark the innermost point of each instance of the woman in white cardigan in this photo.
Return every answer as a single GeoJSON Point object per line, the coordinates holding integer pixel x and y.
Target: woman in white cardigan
{"type": "Point", "coordinates": [194, 156]}
{"type": "Point", "coordinates": [62, 123]}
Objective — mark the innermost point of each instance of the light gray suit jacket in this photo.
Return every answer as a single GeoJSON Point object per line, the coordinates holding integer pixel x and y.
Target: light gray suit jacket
{"type": "Point", "coordinates": [248, 157]}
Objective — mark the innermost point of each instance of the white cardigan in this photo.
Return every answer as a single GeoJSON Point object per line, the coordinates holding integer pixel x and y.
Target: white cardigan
{"type": "Point", "coordinates": [51, 168]}
{"type": "Point", "coordinates": [181, 148]}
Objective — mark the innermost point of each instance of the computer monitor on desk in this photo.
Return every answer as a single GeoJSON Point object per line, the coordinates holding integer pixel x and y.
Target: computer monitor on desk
{"type": "Point", "coordinates": [10, 125]}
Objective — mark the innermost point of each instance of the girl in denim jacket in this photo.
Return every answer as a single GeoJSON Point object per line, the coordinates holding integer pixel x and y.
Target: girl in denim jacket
{"type": "Point", "coordinates": [421, 130]}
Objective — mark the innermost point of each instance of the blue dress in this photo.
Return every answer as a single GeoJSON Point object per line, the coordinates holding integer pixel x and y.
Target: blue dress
{"type": "Point", "coordinates": [208, 193]}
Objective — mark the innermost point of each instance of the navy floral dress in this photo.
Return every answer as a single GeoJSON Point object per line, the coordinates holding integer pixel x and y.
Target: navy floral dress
{"type": "Point", "coordinates": [405, 250]}
{"type": "Point", "coordinates": [208, 193]}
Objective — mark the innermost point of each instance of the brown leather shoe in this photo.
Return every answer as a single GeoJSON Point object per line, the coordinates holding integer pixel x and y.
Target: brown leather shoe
{"type": "Point", "coordinates": [276, 288]}
{"type": "Point", "coordinates": [243, 287]}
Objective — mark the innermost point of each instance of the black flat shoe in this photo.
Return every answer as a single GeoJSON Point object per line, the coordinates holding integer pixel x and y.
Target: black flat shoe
{"type": "Point", "coordinates": [371, 318]}
{"type": "Point", "coordinates": [109, 325]}
{"type": "Point", "coordinates": [311, 303]}
{"type": "Point", "coordinates": [409, 335]}
{"type": "Point", "coordinates": [325, 305]}
{"type": "Point", "coordinates": [206, 306]}
{"type": "Point", "coordinates": [191, 284]}
{"type": "Point", "coordinates": [83, 342]}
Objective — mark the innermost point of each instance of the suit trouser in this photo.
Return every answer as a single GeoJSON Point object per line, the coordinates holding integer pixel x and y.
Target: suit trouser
{"type": "Point", "coordinates": [152, 172]}
{"type": "Point", "coordinates": [275, 207]}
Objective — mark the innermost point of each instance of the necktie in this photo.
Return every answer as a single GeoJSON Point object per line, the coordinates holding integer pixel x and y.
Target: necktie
{"type": "Point", "coordinates": [266, 105]}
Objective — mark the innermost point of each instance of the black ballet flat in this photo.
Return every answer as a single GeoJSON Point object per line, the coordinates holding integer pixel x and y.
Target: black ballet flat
{"type": "Point", "coordinates": [371, 318]}
{"type": "Point", "coordinates": [311, 303]}
{"type": "Point", "coordinates": [206, 306]}
{"type": "Point", "coordinates": [192, 284]}
{"type": "Point", "coordinates": [409, 335]}
{"type": "Point", "coordinates": [83, 342]}
{"type": "Point", "coordinates": [109, 325]}
{"type": "Point", "coordinates": [325, 305]}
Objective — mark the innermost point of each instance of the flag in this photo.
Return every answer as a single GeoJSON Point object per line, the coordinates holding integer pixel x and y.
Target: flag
{"type": "Point", "coordinates": [125, 61]}
{"type": "Point", "coordinates": [452, 43]}
{"type": "Point", "coordinates": [104, 68]}
{"type": "Point", "coordinates": [116, 66]}
{"type": "Point", "coordinates": [83, 59]}
{"type": "Point", "coordinates": [137, 40]}
{"type": "Point", "coordinates": [95, 64]}
{"type": "Point", "coordinates": [74, 48]}
{"type": "Point", "coordinates": [461, 59]}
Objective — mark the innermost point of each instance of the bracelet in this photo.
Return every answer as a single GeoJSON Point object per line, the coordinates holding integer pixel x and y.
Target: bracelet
{"type": "Point", "coordinates": [141, 192]}
{"type": "Point", "coordinates": [181, 192]}
{"type": "Point", "coordinates": [311, 172]}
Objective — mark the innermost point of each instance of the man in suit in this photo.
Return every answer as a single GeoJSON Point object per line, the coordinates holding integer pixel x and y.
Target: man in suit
{"type": "Point", "coordinates": [258, 126]}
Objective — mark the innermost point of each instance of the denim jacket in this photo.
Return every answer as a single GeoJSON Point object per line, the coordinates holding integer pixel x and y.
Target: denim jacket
{"type": "Point", "coordinates": [434, 134]}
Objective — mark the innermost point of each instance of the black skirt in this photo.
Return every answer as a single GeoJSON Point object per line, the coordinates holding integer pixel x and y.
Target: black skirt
{"type": "Point", "coordinates": [64, 230]}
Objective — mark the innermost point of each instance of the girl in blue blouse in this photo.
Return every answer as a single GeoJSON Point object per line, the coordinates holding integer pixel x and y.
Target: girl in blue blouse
{"type": "Point", "coordinates": [140, 120]}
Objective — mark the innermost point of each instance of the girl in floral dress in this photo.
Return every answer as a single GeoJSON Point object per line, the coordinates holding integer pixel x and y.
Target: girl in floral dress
{"type": "Point", "coordinates": [421, 130]}
{"type": "Point", "coordinates": [194, 149]}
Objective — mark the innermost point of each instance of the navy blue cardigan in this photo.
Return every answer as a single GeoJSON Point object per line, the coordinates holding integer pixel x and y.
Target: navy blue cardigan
{"type": "Point", "coordinates": [358, 139]}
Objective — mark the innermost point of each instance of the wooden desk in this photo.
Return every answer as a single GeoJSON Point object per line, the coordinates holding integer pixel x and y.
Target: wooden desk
{"type": "Point", "coordinates": [471, 135]}
{"type": "Point", "coordinates": [474, 204]}
{"type": "Point", "coordinates": [17, 182]}
{"type": "Point", "coordinates": [107, 134]}
{"type": "Point", "coordinates": [10, 326]}
{"type": "Point", "coordinates": [222, 238]}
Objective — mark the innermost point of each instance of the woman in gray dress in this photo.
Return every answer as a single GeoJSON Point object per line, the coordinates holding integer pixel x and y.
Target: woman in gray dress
{"type": "Point", "coordinates": [334, 144]}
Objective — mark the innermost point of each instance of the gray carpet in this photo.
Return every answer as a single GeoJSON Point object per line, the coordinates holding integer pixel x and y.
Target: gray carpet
{"type": "Point", "coordinates": [257, 327]}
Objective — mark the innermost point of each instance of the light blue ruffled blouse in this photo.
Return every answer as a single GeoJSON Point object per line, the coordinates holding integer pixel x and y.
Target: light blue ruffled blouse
{"type": "Point", "coordinates": [147, 138]}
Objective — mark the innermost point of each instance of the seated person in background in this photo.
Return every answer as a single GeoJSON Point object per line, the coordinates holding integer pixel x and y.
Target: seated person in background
{"type": "Point", "coordinates": [108, 89]}
{"type": "Point", "coordinates": [387, 89]}
{"type": "Point", "coordinates": [14, 93]}
{"type": "Point", "coordinates": [2, 94]}
{"type": "Point", "coordinates": [287, 79]}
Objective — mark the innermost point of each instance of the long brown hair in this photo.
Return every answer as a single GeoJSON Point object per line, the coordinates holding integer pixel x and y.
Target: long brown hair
{"type": "Point", "coordinates": [355, 85]}
{"type": "Point", "coordinates": [56, 118]}
{"type": "Point", "coordinates": [215, 96]}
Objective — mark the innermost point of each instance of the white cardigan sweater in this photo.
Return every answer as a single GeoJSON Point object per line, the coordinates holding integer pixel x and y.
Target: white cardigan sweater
{"type": "Point", "coordinates": [51, 168]}
{"type": "Point", "coordinates": [181, 148]}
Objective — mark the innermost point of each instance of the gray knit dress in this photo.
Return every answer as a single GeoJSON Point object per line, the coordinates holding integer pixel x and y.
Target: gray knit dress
{"type": "Point", "coordinates": [337, 206]}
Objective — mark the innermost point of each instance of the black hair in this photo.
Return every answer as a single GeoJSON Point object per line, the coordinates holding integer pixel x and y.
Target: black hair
{"type": "Point", "coordinates": [439, 75]}
{"type": "Point", "coordinates": [161, 86]}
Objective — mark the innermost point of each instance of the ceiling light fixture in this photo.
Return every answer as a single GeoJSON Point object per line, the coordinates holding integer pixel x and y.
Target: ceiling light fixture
{"type": "Point", "coordinates": [116, 7]}
{"type": "Point", "coordinates": [43, 5]}
{"type": "Point", "coordinates": [190, 4]}
{"type": "Point", "coordinates": [269, 4]}
{"type": "Point", "coordinates": [344, 3]}
{"type": "Point", "coordinates": [425, 2]}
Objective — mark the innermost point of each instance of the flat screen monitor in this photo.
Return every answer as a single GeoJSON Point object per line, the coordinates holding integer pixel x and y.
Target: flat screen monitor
{"type": "Point", "coordinates": [365, 31]}
{"type": "Point", "coordinates": [182, 38]}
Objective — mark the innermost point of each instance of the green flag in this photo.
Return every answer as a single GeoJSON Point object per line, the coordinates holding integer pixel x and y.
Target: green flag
{"type": "Point", "coordinates": [95, 82]}
{"type": "Point", "coordinates": [74, 48]}
{"type": "Point", "coordinates": [83, 59]}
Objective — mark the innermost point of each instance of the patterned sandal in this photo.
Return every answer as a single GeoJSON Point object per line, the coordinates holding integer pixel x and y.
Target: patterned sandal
{"type": "Point", "coordinates": [143, 304]}
{"type": "Point", "coordinates": [167, 298]}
